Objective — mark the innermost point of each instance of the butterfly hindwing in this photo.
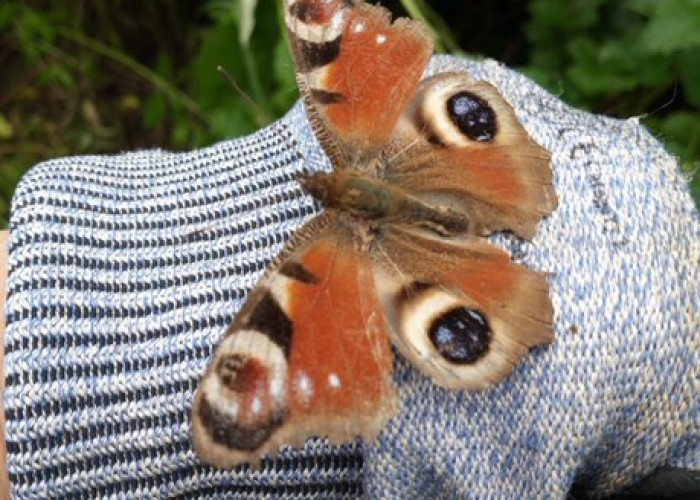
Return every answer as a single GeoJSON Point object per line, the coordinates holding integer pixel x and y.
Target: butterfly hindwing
{"type": "Point", "coordinates": [461, 311]}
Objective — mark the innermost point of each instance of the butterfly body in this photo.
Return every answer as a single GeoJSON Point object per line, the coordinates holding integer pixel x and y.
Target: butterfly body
{"type": "Point", "coordinates": [373, 202]}
{"type": "Point", "coordinates": [422, 172]}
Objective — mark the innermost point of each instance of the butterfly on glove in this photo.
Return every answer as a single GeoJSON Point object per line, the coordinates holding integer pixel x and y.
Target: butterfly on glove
{"type": "Point", "coordinates": [423, 171]}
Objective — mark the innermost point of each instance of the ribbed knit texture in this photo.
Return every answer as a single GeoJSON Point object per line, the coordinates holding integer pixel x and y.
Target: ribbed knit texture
{"type": "Point", "coordinates": [125, 271]}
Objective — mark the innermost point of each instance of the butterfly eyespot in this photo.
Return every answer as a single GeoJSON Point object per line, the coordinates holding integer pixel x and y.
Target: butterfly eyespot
{"type": "Point", "coordinates": [461, 335]}
{"type": "Point", "coordinates": [473, 115]}
{"type": "Point", "coordinates": [241, 373]}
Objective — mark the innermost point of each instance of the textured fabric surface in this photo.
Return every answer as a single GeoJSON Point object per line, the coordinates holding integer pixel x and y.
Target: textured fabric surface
{"type": "Point", "coordinates": [126, 270]}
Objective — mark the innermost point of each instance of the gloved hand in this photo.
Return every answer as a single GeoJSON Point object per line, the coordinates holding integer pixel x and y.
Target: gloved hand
{"type": "Point", "coordinates": [126, 270]}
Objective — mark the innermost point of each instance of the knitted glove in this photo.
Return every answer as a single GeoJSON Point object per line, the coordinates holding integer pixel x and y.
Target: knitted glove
{"type": "Point", "coordinates": [126, 270]}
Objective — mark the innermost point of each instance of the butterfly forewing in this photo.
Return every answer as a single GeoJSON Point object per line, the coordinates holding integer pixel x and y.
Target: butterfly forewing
{"type": "Point", "coordinates": [307, 356]}
{"type": "Point", "coordinates": [357, 73]}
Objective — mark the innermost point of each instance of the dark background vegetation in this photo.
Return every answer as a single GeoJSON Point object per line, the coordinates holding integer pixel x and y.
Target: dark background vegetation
{"type": "Point", "coordinates": [104, 76]}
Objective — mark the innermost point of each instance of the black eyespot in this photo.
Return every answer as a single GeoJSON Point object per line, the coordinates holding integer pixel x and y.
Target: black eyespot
{"type": "Point", "coordinates": [473, 115]}
{"type": "Point", "coordinates": [461, 335]}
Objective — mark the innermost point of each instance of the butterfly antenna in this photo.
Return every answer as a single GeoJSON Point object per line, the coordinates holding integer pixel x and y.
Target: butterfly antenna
{"type": "Point", "coordinates": [232, 81]}
{"type": "Point", "coordinates": [665, 105]}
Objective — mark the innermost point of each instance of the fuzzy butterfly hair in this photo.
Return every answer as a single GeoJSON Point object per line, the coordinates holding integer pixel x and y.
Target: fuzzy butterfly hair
{"type": "Point", "coordinates": [423, 172]}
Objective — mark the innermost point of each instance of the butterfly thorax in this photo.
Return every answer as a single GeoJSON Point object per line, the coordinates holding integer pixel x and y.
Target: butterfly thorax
{"type": "Point", "coordinates": [375, 201]}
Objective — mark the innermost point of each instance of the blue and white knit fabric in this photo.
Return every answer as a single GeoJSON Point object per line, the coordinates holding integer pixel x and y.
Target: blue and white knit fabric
{"type": "Point", "coordinates": [125, 271]}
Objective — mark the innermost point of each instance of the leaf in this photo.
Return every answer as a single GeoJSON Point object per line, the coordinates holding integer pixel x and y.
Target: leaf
{"type": "Point", "coordinates": [246, 23]}
{"type": "Point", "coordinates": [154, 110]}
{"type": "Point", "coordinates": [594, 72]}
{"type": "Point", "coordinates": [8, 14]}
{"type": "Point", "coordinates": [6, 130]}
{"type": "Point", "coordinates": [689, 69]}
{"type": "Point", "coordinates": [219, 47]}
{"type": "Point", "coordinates": [674, 26]}
{"type": "Point", "coordinates": [56, 73]}
{"type": "Point", "coordinates": [232, 120]}
{"type": "Point", "coordinates": [682, 133]}
{"type": "Point", "coordinates": [571, 16]}
{"type": "Point", "coordinates": [283, 71]}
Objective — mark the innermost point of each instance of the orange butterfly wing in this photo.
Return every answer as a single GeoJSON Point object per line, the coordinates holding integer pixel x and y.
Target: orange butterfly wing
{"type": "Point", "coordinates": [308, 355]}
{"type": "Point", "coordinates": [340, 347]}
{"type": "Point", "coordinates": [432, 290]}
{"type": "Point", "coordinates": [357, 73]}
{"type": "Point", "coordinates": [460, 144]}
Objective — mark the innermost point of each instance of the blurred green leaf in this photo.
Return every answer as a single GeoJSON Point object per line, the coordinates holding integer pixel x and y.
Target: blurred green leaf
{"type": "Point", "coordinates": [154, 111]}
{"type": "Point", "coordinates": [596, 72]}
{"type": "Point", "coordinates": [612, 67]}
{"type": "Point", "coordinates": [8, 14]}
{"type": "Point", "coordinates": [57, 74]}
{"type": "Point", "coordinates": [689, 69]}
{"type": "Point", "coordinates": [681, 132]}
{"type": "Point", "coordinates": [6, 129]}
{"type": "Point", "coordinates": [247, 21]}
{"type": "Point", "coordinates": [222, 11]}
{"type": "Point", "coordinates": [283, 74]}
{"type": "Point", "coordinates": [674, 26]}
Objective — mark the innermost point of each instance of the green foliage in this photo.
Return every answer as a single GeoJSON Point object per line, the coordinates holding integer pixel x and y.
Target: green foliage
{"type": "Point", "coordinates": [97, 76]}
{"type": "Point", "coordinates": [634, 58]}
{"type": "Point", "coordinates": [248, 44]}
